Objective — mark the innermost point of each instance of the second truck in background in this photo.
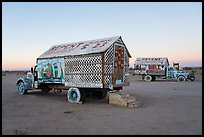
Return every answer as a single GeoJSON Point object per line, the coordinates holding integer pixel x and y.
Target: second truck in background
{"type": "Point", "coordinates": [152, 68]}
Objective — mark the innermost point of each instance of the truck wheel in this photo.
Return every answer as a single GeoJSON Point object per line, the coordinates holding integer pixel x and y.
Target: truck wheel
{"type": "Point", "coordinates": [83, 95]}
{"type": "Point", "coordinates": [148, 78]}
{"type": "Point", "coordinates": [21, 88]}
{"type": "Point", "coordinates": [192, 78]}
{"type": "Point", "coordinates": [181, 78]}
{"type": "Point", "coordinates": [153, 78]}
{"type": "Point", "coordinates": [75, 96]}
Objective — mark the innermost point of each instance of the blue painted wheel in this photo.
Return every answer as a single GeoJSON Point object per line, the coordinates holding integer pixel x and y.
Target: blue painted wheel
{"type": "Point", "coordinates": [73, 95]}
{"type": "Point", "coordinates": [148, 78]}
{"type": "Point", "coordinates": [21, 88]}
{"type": "Point", "coordinates": [181, 78]}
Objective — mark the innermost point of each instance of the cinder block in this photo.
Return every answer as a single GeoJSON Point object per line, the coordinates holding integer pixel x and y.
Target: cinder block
{"type": "Point", "coordinates": [122, 99]}
{"type": "Point", "coordinates": [129, 99]}
{"type": "Point", "coordinates": [131, 104]}
{"type": "Point", "coordinates": [124, 95]}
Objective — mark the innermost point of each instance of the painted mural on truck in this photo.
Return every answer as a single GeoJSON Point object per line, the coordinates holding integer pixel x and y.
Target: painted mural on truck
{"type": "Point", "coordinates": [51, 69]}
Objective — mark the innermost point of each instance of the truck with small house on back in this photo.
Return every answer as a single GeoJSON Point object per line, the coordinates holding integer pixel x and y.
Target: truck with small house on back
{"type": "Point", "coordinates": [152, 68]}
{"type": "Point", "coordinates": [81, 68]}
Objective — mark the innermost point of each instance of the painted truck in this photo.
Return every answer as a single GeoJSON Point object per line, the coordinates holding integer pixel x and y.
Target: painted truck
{"type": "Point", "coordinates": [80, 68]}
{"type": "Point", "coordinates": [152, 68]}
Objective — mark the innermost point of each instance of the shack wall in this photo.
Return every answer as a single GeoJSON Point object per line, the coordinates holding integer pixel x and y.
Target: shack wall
{"type": "Point", "coordinates": [50, 70]}
{"type": "Point", "coordinates": [84, 71]}
{"type": "Point", "coordinates": [94, 70]}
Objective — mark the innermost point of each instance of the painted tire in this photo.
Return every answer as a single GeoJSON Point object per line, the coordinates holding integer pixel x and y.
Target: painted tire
{"type": "Point", "coordinates": [192, 78]}
{"type": "Point", "coordinates": [148, 78]}
{"type": "Point", "coordinates": [181, 78]}
{"type": "Point", "coordinates": [73, 95]}
{"type": "Point", "coordinates": [21, 88]}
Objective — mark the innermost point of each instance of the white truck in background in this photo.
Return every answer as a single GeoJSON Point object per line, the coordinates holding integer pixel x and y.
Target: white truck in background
{"type": "Point", "coordinates": [152, 68]}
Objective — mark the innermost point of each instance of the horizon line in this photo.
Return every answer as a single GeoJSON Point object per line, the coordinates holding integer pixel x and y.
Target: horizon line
{"type": "Point", "coordinates": [129, 68]}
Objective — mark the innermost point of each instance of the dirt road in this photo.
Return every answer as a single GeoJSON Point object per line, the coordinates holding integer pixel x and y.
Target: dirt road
{"type": "Point", "coordinates": [167, 108]}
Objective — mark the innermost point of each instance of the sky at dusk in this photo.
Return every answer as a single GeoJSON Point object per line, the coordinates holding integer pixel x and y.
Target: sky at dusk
{"type": "Point", "coordinates": [148, 29]}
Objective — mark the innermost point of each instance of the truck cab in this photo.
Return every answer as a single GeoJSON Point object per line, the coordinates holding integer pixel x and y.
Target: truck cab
{"type": "Point", "coordinates": [44, 75]}
{"type": "Point", "coordinates": [26, 83]}
{"type": "Point", "coordinates": [175, 74]}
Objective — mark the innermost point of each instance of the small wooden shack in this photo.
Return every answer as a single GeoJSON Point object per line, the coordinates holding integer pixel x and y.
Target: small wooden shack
{"type": "Point", "coordinates": [151, 64]}
{"type": "Point", "coordinates": [101, 63]}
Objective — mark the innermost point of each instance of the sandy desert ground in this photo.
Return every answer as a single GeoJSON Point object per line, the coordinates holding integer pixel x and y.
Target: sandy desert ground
{"type": "Point", "coordinates": [167, 108]}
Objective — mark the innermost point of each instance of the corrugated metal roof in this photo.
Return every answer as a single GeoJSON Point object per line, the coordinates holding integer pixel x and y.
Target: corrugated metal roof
{"type": "Point", "coordinates": [79, 48]}
{"type": "Point", "coordinates": [152, 61]}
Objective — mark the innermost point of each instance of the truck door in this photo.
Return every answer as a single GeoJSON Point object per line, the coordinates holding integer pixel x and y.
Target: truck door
{"type": "Point", "coordinates": [170, 73]}
{"type": "Point", "coordinates": [118, 65]}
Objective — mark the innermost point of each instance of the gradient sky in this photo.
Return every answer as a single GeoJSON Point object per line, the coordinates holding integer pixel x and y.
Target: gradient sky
{"type": "Point", "coordinates": [149, 29]}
